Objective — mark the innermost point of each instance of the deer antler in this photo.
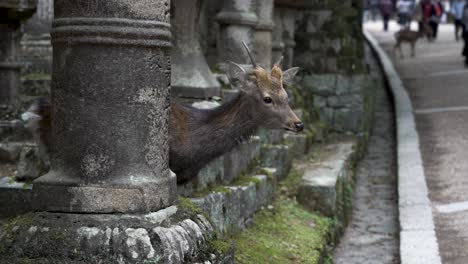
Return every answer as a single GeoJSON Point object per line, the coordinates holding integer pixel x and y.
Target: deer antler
{"type": "Point", "coordinates": [279, 61]}
{"type": "Point", "coordinates": [250, 55]}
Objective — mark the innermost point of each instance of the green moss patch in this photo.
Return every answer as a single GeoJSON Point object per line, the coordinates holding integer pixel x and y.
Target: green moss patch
{"type": "Point", "coordinates": [286, 234]}
{"type": "Point", "coordinates": [36, 76]}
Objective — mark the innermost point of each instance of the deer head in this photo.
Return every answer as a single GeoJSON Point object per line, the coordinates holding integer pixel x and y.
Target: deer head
{"type": "Point", "coordinates": [265, 89]}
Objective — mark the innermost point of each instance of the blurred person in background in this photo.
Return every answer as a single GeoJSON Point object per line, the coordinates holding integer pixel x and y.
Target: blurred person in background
{"type": "Point", "coordinates": [405, 9]}
{"type": "Point", "coordinates": [386, 9]}
{"type": "Point", "coordinates": [457, 13]}
{"type": "Point", "coordinates": [432, 11]}
{"type": "Point", "coordinates": [465, 32]}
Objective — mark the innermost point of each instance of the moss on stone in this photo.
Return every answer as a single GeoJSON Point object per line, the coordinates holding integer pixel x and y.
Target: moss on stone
{"type": "Point", "coordinates": [220, 246]}
{"type": "Point", "coordinates": [212, 189]}
{"type": "Point", "coordinates": [246, 181]}
{"type": "Point", "coordinates": [266, 172]}
{"type": "Point", "coordinates": [187, 206]}
{"type": "Point", "coordinates": [36, 76]}
{"type": "Point", "coordinates": [286, 234]}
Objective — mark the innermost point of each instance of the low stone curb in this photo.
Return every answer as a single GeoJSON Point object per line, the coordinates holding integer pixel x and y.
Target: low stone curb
{"type": "Point", "coordinates": [418, 241]}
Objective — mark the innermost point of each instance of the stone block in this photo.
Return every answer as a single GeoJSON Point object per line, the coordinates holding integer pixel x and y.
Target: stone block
{"type": "Point", "coordinates": [327, 115]}
{"type": "Point", "coordinates": [323, 84]}
{"type": "Point", "coordinates": [15, 197]}
{"type": "Point", "coordinates": [277, 156]}
{"type": "Point", "coordinates": [298, 143]}
{"type": "Point", "coordinates": [238, 160]}
{"type": "Point", "coordinates": [345, 100]}
{"type": "Point", "coordinates": [352, 84]}
{"type": "Point", "coordinates": [320, 101]}
{"type": "Point", "coordinates": [322, 184]}
{"type": "Point", "coordinates": [348, 119]}
{"type": "Point", "coordinates": [270, 136]}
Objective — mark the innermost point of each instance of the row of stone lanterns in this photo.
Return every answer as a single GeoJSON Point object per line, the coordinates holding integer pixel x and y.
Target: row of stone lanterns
{"type": "Point", "coordinates": [98, 163]}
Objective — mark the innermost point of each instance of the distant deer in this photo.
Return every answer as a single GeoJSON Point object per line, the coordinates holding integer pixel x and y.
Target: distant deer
{"type": "Point", "coordinates": [198, 136]}
{"type": "Point", "coordinates": [411, 36]}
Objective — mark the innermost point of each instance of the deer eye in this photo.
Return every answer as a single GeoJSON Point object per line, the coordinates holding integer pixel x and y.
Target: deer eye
{"type": "Point", "coordinates": [267, 100]}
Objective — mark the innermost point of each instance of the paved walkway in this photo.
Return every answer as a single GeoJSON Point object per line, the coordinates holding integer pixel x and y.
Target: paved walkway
{"type": "Point", "coordinates": [372, 234]}
{"type": "Point", "coordinates": [437, 83]}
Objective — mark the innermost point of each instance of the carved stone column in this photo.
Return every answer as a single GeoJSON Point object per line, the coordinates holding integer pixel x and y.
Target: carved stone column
{"type": "Point", "coordinates": [263, 32]}
{"type": "Point", "coordinates": [237, 21]}
{"type": "Point", "coordinates": [12, 13]}
{"type": "Point", "coordinates": [288, 17]}
{"type": "Point", "coordinates": [110, 108]}
{"type": "Point", "coordinates": [278, 44]}
{"type": "Point", "coordinates": [191, 76]}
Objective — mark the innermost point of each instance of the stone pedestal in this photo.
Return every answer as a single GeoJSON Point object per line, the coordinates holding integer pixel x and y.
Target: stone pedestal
{"type": "Point", "coordinates": [263, 32]}
{"type": "Point", "coordinates": [237, 21]}
{"type": "Point", "coordinates": [12, 12]}
{"type": "Point", "coordinates": [110, 109]}
{"type": "Point", "coordinates": [278, 44]}
{"type": "Point", "coordinates": [191, 76]}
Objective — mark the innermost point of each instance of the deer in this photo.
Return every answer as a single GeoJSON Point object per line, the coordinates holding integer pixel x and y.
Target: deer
{"type": "Point", "coordinates": [198, 136]}
{"type": "Point", "coordinates": [411, 36]}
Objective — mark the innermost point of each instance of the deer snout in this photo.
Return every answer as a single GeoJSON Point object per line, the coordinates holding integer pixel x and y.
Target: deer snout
{"type": "Point", "coordinates": [299, 126]}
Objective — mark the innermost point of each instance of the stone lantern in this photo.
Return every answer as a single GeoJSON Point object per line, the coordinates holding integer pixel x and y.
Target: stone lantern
{"type": "Point", "coordinates": [237, 21]}
{"type": "Point", "coordinates": [263, 32]}
{"type": "Point", "coordinates": [12, 13]}
{"type": "Point", "coordinates": [191, 75]}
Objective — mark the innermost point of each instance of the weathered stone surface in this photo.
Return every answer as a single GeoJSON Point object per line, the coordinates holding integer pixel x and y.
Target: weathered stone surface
{"type": "Point", "coordinates": [263, 32]}
{"type": "Point", "coordinates": [277, 156]}
{"type": "Point", "coordinates": [238, 160]}
{"type": "Point", "coordinates": [190, 76]}
{"type": "Point", "coordinates": [10, 151]}
{"type": "Point", "coordinates": [323, 182]}
{"type": "Point", "coordinates": [298, 144]}
{"type": "Point", "coordinates": [15, 197]}
{"type": "Point", "coordinates": [347, 119]}
{"type": "Point", "coordinates": [278, 43]}
{"type": "Point", "coordinates": [347, 100]}
{"type": "Point", "coordinates": [30, 165]}
{"type": "Point", "coordinates": [270, 136]}
{"type": "Point", "coordinates": [14, 13]}
{"type": "Point", "coordinates": [232, 208]}
{"type": "Point", "coordinates": [166, 236]}
{"type": "Point", "coordinates": [102, 165]}
{"type": "Point", "coordinates": [323, 85]}
{"type": "Point", "coordinates": [36, 48]}
{"type": "Point", "coordinates": [237, 20]}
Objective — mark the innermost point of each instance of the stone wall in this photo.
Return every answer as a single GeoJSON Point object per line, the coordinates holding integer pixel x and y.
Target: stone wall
{"type": "Point", "coordinates": [330, 49]}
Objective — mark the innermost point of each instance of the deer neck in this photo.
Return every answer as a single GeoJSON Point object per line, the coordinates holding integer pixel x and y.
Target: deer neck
{"type": "Point", "coordinates": [233, 122]}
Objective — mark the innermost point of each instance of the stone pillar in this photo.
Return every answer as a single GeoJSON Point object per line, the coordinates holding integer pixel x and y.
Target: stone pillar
{"type": "Point", "coordinates": [278, 44]}
{"type": "Point", "coordinates": [36, 49]}
{"type": "Point", "coordinates": [263, 32]}
{"type": "Point", "coordinates": [13, 12]}
{"type": "Point", "coordinates": [237, 20]}
{"type": "Point", "coordinates": [288, 21]}
{"type": "Point", "coordinates": [110, 108]}
{"type": "Point", "coordinates": [191, 76]}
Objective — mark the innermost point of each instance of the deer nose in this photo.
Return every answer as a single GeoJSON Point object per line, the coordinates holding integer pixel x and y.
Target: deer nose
{"type": "Point", "coordinates": [299, 126]}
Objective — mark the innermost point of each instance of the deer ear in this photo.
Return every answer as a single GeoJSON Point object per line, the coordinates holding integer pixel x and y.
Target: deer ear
{"type": "Point", "coordinates": [289, 74]}
{"type": "Point", "coordinates": [236, 74]}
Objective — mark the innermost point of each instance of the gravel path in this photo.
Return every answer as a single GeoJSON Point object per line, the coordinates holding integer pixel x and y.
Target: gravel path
{"type": "Point", "coordinates": [372, 234]}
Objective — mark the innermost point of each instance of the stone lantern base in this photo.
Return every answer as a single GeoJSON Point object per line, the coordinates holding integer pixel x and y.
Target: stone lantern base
{"type": "Point", "coordinates": [170, 235]}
